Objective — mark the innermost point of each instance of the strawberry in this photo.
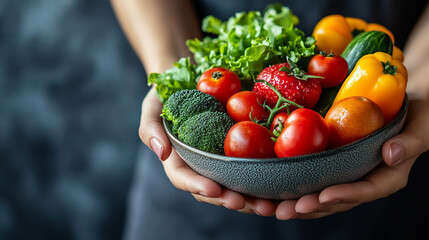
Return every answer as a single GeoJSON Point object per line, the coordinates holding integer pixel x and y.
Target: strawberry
{"type": "Point", "coordinates": [304, 91]}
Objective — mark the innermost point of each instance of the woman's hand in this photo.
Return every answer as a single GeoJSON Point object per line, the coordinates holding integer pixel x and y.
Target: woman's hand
{"type": "Point", "coordinates": [399, 154]}
{"type": "Point", "coordinates": [184, 178]}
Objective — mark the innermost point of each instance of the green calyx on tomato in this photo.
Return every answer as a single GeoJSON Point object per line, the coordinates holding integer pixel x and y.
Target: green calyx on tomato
{"type": "Point", "coordinates": [216, 75]}
{"type": "Point", "coordinates": [295, 71]}
{"type": "Point", "coordinates": [219, 82]}
{"type": "Point", "coordinates": [325, 54]}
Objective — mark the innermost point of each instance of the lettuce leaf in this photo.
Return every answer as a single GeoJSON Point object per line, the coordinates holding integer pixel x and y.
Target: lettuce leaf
{"type": "Point", "coordinates": [180, 76]}
{"type": "Point", "coordinates": [246, 43]}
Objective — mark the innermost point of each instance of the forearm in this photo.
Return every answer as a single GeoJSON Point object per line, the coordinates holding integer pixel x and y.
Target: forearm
{"type": "Point", "coordinates": [417, 59]}
{"type": "Point", "coordinates": [157, 29]}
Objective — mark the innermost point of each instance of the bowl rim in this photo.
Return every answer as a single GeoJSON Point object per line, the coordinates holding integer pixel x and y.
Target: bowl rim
{"type": "Point", "coordinates": [402, 113]}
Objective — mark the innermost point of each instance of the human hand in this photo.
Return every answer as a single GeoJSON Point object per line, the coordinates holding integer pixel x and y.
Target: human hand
{"type": "Point", "coordinates": [181, 175]}
{"type": "Point", "coordinates": [399, 154]}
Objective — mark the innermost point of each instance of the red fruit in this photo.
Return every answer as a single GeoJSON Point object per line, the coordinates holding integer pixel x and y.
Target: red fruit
{"type": "Point", "coordinates": [334, 69]}
{"type": "Point", "coordinates": [302, 92]}
{"type": "Point", "coordinates": [219, 82]}
{"type": "Point", "coordinates": [248, 139]}
{"type": "Point", "coordinates": [304, 132]}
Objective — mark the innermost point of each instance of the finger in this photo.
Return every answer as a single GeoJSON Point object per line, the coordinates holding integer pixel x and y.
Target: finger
{"type": "Point", "coordinates": [381, 182]}
{"type": "Point", "coordinates": [228, 199]}
{"type": "Point", "coordinates": [308, 203]}
{"type": "Point", "coordinates": [186, 179]}
{"type": "Point", "coordinates": [151, 131]}
{"type": "Point", "coordinates": [413, 140]}
{"type": "Point", "coordinates": [286, 210]}
{"type": "Point", "coordinates": [326, 210]}
{"type": "Point", "coordinates": [261, 207]}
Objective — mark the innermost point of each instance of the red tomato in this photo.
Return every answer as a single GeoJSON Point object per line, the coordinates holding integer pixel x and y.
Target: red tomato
{"type": "Point", "coordinates": [243, 105]}
{"type": "Point", "coordinates": [334, 69]}
{"type": "Point", "coordinates": [220, 83]}
{"type": "Point", "coordinates": [279, 117]}
{"type": "Point", "coordinates": [248, 139]}
{"type": "Point", "coordinates": [305, 132]}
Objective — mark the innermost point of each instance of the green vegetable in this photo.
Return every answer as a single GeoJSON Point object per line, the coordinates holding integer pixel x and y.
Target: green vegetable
{"type": "Point", "coordinates": [326, 99]}
{"type": "Point", "coordinates": [363, 44]}
{"type": "Point", "coordinates": [187, 103]}
{"type": "Point", "coordinates": [206, 131]}
{"type": "Point", "coordinates": [181, 76]}
{"type": "Point", "coordinates": [246, 43]}
{"type": "Point", "coordinates": [366, 43]}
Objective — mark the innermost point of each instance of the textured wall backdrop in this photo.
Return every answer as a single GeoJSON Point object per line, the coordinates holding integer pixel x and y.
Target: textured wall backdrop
{"type": "Point", "coordinates": [70, 94]}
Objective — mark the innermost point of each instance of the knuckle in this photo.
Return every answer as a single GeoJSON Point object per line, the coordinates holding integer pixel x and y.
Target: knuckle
{"type": "Point", "coordinates": [142, 131]}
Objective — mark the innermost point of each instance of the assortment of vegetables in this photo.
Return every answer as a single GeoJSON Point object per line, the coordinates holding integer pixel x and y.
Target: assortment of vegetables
{"type": "Point", "coordinates": [380, 78]}
{"type": "Point", "coordinates": [245, 44]}
{"type": "Point", "coordinates": [260, 88]}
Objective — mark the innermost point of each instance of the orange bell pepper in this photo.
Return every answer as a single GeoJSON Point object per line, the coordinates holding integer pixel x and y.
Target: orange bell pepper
{"type": "Point", "coordinates": [356, 24]}
{"type": "Point", "coordinates": [398, 54]}
{"type": "Point", "coordinates": [380, 78]}
{"type": "Point", "coordinates": [334, 32]}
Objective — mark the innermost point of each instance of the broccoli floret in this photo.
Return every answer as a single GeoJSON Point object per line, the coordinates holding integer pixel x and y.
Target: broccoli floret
{"type": "Point", "coordinates": [186, 103]}
{"type": "Point", "coordinates": [206, 131]}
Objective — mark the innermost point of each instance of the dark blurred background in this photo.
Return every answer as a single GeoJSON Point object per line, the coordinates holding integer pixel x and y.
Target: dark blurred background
{"type": "Point", "coordinates": [70, 94]}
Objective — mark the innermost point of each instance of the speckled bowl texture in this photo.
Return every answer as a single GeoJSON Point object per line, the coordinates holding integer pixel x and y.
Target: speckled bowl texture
{"type": "Point", "coordinates": [289, 178]}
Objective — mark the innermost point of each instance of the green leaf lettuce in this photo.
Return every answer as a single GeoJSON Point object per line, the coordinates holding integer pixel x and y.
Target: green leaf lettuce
{"type": "Point", "coordinates": [246, 43]}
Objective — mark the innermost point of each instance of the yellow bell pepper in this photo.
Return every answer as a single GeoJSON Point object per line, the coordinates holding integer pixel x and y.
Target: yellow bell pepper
{"type": "Point", "coordinates": [334, 32]}
{"type": "Point", "coordinates": [380, 78]}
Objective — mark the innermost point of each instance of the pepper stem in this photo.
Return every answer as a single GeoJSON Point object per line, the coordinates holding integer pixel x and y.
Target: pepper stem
{"type": "Point", "coordinates": [389, 68]}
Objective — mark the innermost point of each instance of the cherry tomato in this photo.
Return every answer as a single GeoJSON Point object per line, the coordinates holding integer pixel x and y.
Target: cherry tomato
{"type": "Point", "coordinates": [246, 106]}
{"type": "Point", "coordinates": [334, 69]}
{"type": "Point", "coordinates": [305, 132]}
{"type": "Point", "coordinates": [279, 117]}
{"type": "Point", "coordinates": [220, 83]}
{"type": "Point", "coordinates": [248, 139]}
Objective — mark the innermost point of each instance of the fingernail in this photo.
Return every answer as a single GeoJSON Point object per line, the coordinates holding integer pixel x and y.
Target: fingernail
{"type": "Point", "coordinates": [157, 147]}
{"type": "Point", "coordinates": [396, 153]}
{"type": "Point", "coordinates": [331, 201]}
{"type": "Point", "coordinates": [202, 194]}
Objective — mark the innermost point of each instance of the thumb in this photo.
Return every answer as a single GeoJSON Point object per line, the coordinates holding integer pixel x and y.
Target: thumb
{"type": "Point", "coordinates": [151, 130]}
{"type": "Point", "coordinates": [413, 140]}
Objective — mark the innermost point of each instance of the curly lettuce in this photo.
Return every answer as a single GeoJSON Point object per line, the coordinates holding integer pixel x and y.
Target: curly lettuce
{"type": "Point", "coordinates": [246, 43]}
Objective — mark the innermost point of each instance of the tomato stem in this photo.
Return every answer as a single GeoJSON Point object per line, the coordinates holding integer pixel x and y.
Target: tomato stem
{"type": "Point", "coordinates": [216, 75]}
{"type": "Point", "coordinates": [325, 54]}
{"type": "Point", "coordinates": [277, 130]}
{"type": "Point", "coordinates": [281, 103]}
{"type": "Point", "coordinates": [293, 70]}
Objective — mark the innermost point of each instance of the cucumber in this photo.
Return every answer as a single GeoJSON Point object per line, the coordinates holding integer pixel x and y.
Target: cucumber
{"type": "Point", "coordinates": [326, 99]}
{"type": "Point", "coordinates": [366, 43]}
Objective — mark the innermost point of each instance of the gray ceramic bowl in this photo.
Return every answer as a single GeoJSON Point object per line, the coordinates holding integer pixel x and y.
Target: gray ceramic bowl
{"type": "Point", "coordinates": [289, 178]}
